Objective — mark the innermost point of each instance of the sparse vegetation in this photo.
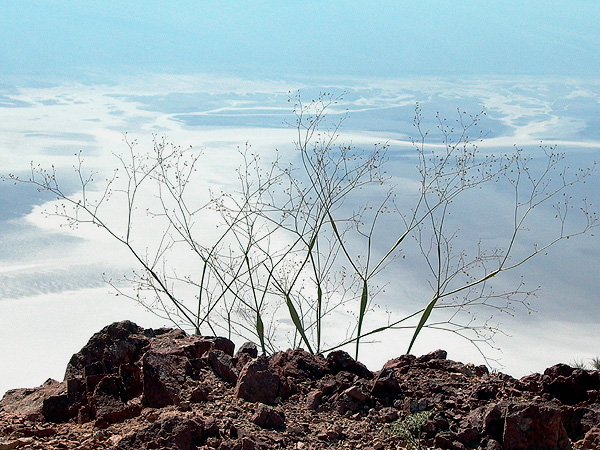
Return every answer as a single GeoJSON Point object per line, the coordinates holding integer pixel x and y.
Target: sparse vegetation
{"type": "Point", "coordinates": [301, 238]}
{"type": "Point", "coordinates": [578, 364]}
{"type": "Point", "coordinates": [409, 429]}
{"type": "Point", "coordinates": [592, 364]}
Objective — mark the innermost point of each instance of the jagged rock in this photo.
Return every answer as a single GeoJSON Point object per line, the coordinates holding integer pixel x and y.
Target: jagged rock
{"type": "Point", "coordinates": [493, 445]}
{"type": "Point", "coordinates": [350, 400]}
{"type": "Point", "coordinates": [313, 399]}
{"type": "Point", "coordinates": [570, 386]}
{"type": "Point", "coordinates": [386, 386]}
{"type": "Point", "coordinates": [340, 360]}
{"type": "Point", "coordinates": [56, 408]}
{"type": "Point", "coordinates": [579, 420]}
{"type": "Point", "coordinates": [173, 432]}
{"type": "Point", "coordinates": [342, 392]}
{"type": "Point", "coordinates": [166, 389]}
{"type": "Point", "coordinates": [357, 392]}
{"type": "Point", "coordinates": [116, 344]}
{"type": "Point", "coordinates": [246, 353]}
{"type": "Point", "coordinates": [196, 346]}
{"type": "Point", "coordinates": [522, 426]}
{"type": "Point", "coordinates": [530, 383]}
{"type": "Point", "coordinates": [437, 423]}
{"type": "Point", "coordinates": [163, 377]}
{"type": "Point", "coordinates": [590, 417]}
{"type": "Point", "coordinates": [247, 348]}
{"type": "Point", "coordinates": [558, 370]}
{"type": "Point", "coordinates": [385, 415]}
{"type": "Point", "coordinates": [299, 364]}
{"type": "Point", "coordinates": [486, 391]}
{"type": "Point", "coordinates": [436, 354]}
{"type": "Point", "coordinates": [268, 417]}
{"type": "Point", "coordinates": [468, 437]}
{"type": "Point", "coordinates": [448, 441]}
{"type": "Point", "coordinates": [30, 401]}
{"type": "Point", "coordinates": [223, 365]}
{"type": "Point", "coordinates": [108, 405]}
{"type": "Point", "coordinates": [402, 363]}
{"type": "Point", "coordinates": [257, 382]}
{"type": "Point", "coordinates": [447, 366]}
{"type": "Point", "coordinates": [241, 360]}
{"type": "Point", "coordinates": [488, 421]}
{"type": "Point", "coordinates": [48, 401]}
{"type": "Point", "coordinates": [478, 371]}
{"type": "Point", "coordinates": [528, 426]}
{"type": "Point", "coordinates": [591, 441]}
{"type": "Point", "coordinates": [131, 381]}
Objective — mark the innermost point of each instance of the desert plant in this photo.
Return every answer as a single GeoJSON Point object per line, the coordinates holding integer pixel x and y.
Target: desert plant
{"type": "Point", "coordinates": [594, 364]}
{"type": "Point", "coordinates": [300, 237]}
{"type": "Point", "coordinates": [578, 364]}
{"type": "Point", "coordinates": [409, 429]}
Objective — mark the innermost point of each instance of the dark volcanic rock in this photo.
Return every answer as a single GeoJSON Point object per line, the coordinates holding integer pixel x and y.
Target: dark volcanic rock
{"type": "Point", "coordinates": [257, 382]}
{"type": "Point", "coordinates": [299, 364]}
{"type": "Point", "coordinates": [401, 363]}
{"type": "Point", "coordinates": [386, 385]}
{"type": "Point", "coordinates": [570, 386]}
{"type": "Point", "coordinates": [268, 417]}
{"type": "Point", "coordinates": [437, 354]}
{"type": "Point", "coordinates": [163, 378]}
{"type": "Point", "coordinates": [56, 408]}
{"type": "Point", "coordinates": [340, 360]}
{"type": "Point", "coordinates": [107, 402]}
{"type": "Point", "coordinates": [196, 346]}
{"type": "Point", "coordinates": [116, 344]}
{"type": "Point", "coordinates": [30, 402]}
{"type": "Point", "coordinates": [162, 388]}
{"type": "Point", "coordinates": [488, 421]}
{"type": "Point", "coordinates": [522, 425]}
{"type": "Point", "coordinates": [223, 365]}
{"type": "Point", "coordinates": [131, 381]}
{"type": "Point", "coordinates": [528, 426]}
{"type": "Point", "coordinates": [247, 348]}
{"type": "Point", "coordinates": [342, 392]}
{"type": "Point", "coordinates": [174, 432]}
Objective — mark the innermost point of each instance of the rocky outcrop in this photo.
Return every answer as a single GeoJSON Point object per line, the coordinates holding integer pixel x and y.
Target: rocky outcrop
{"type": "Point", "coordinates": [519, 425]}
{"type": "Point", "coordinates": [144, 388]}
{"type": "Point", "coordinates": [258, 382]}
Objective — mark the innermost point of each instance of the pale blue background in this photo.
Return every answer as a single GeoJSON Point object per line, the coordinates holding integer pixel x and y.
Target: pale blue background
{"type": "Point", "coordinates": [277, 38]}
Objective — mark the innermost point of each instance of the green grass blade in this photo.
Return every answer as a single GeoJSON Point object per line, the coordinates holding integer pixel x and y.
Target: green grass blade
{"type": "Point", "coordinates": [423, 321]}
{"type": "Point", "coordinates": [364, 298]}
{"type": "Point", "coordinates": [297, 322]}
{"type": "Point", "coordinates": [319, 313]}
{"type": "Point", "coordinates": [260, 330]}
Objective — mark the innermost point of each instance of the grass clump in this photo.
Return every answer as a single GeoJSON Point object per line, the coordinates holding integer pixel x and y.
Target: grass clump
{"type": "Point", "coordinates": [593, 364]}
{"type": "Point", "coordinates": [409, 429]}
{"type": "Point", "coordinates": [578, 364]}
